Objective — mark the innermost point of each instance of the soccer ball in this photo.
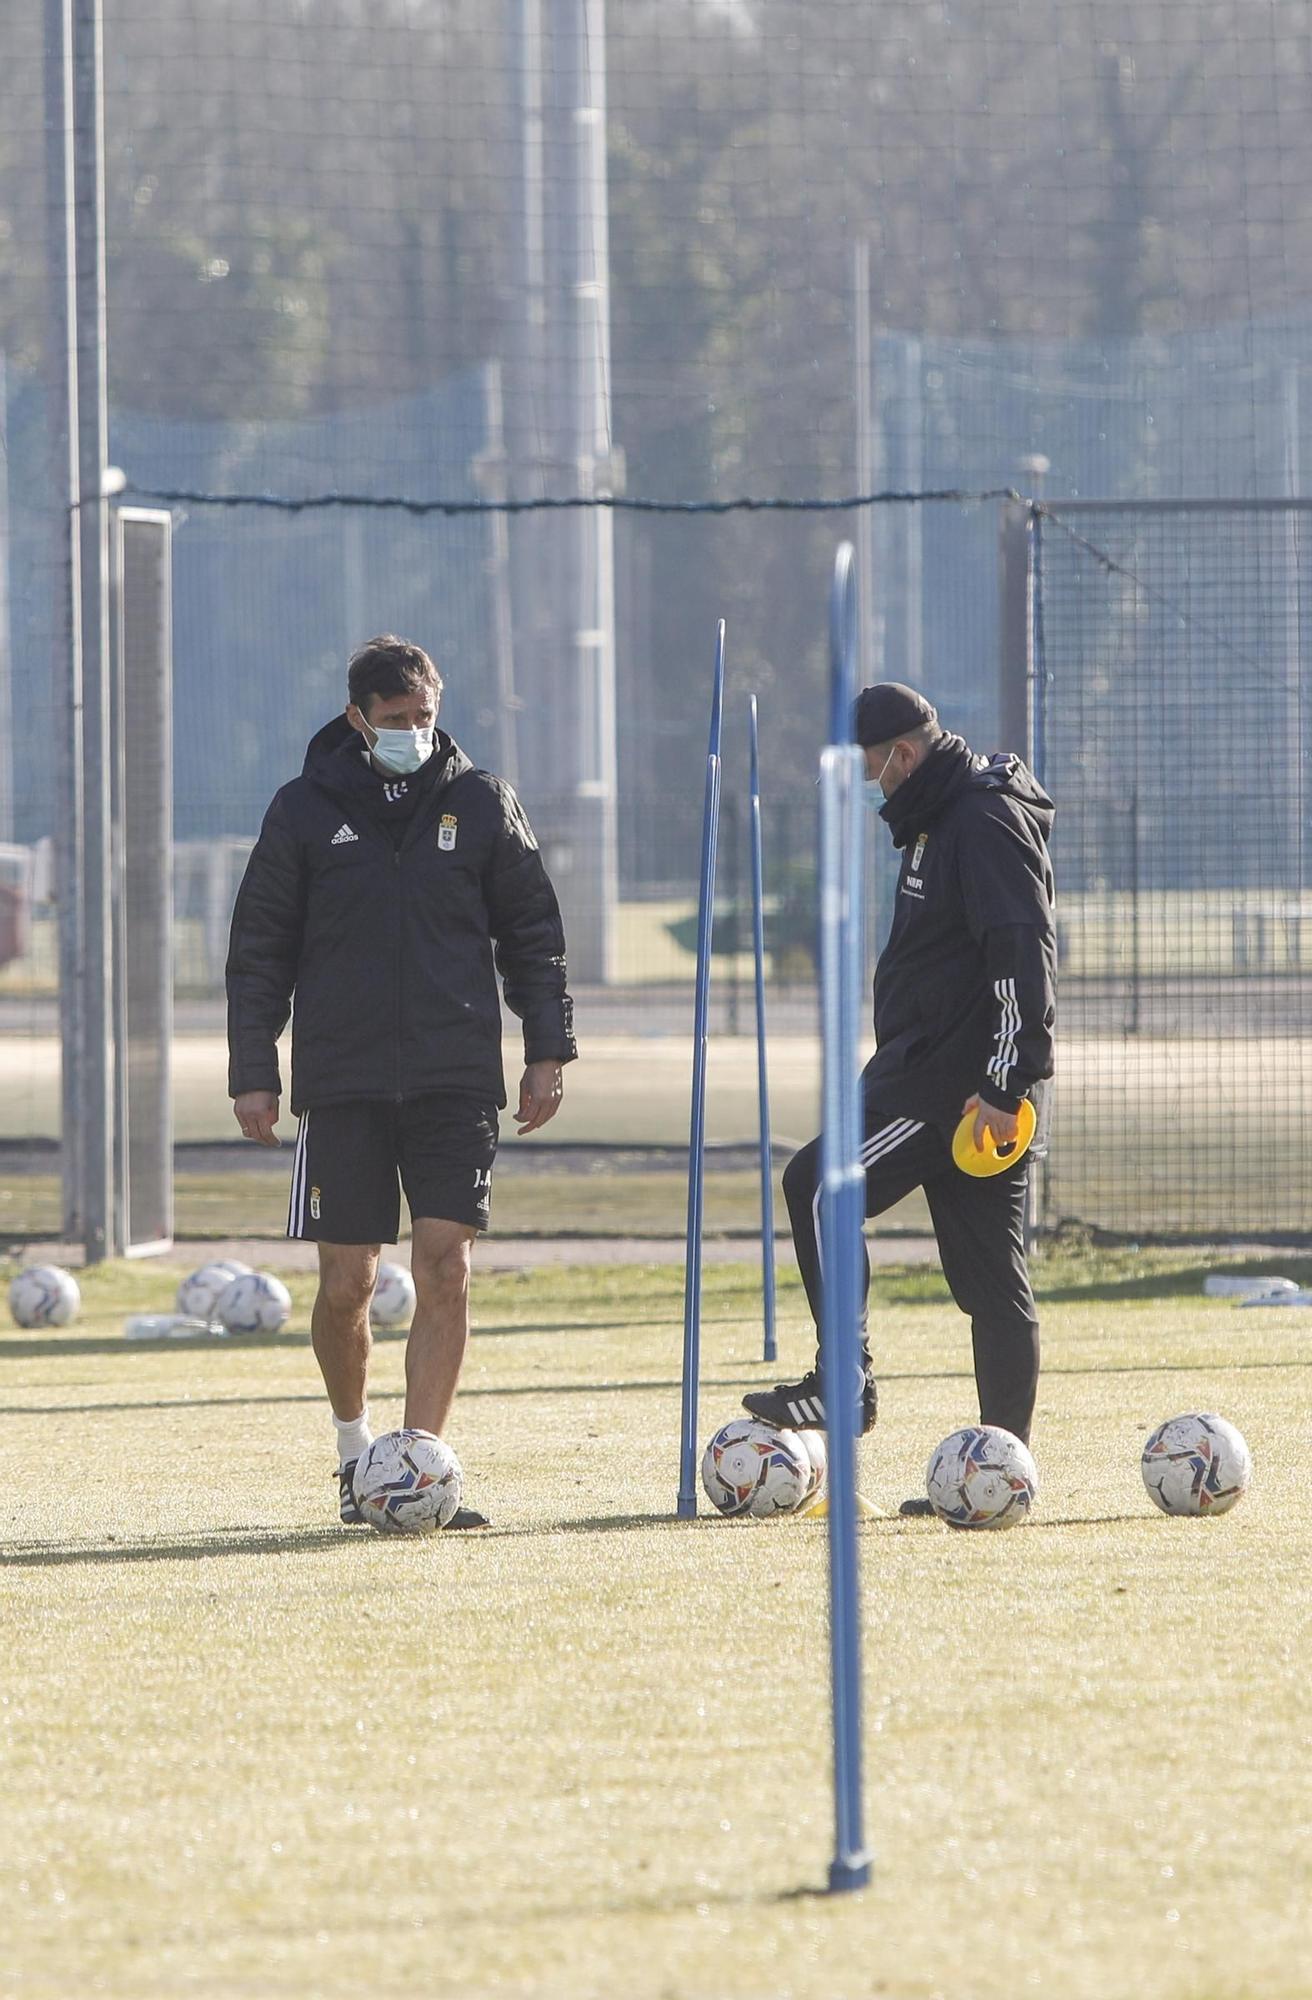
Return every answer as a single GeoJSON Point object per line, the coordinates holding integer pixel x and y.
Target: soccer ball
{"type": "Point", "coordinates": [408, 1483]}
{"type": "Point", "coordinates": [1197, 1464]}
{"type": "Point", "coordinates": [751, 1468]}
{"type": "Point", "coordinates": [817, 1451]}
{"type": "Point", "coordinates": [43, 1295]}
{"type": "Point", "coordinates": [198, 1294]}
{"type": "Point", "coordinates": [393, 1302]}
{"type": "Point", "coordinates": [257, 1302]}
{"type": "Point", "coordinates": [982, 1477]}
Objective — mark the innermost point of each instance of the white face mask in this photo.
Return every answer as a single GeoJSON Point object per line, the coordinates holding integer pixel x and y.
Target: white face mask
{"type": "Point", "coordinates": [401, 750]}
{"type": "Point", "coordinates": [875, 786]}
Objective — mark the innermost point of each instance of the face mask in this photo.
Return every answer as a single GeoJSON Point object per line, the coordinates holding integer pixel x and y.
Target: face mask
{"type": "Point", "coordinates": [874, 787]}
{"type": "Point", "coordinates": [402, 750]}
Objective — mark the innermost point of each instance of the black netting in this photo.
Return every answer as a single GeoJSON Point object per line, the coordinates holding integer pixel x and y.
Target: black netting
{"type": "Point", "coordinates": [1173, 720]}
{"type": "Point", "coordinates": [681, 251]}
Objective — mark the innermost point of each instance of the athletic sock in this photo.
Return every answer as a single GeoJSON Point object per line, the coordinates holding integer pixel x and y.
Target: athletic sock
{"type": "Point", "coordinates": [353, 1436]}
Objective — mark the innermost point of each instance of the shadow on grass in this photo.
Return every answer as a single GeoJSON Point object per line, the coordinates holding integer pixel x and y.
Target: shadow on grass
{"type": "Point", "coordinates": [1034, 1524]}
{"type": "Point", "coordinates": [538, 1389]}
{"type": "Point", "coordinates": [70, 1346]}
{"type": "Point", "coordinates": [810, 1892]}
{"type": "Point", "coordinates": [207, 1544]}
{"type": "Point", "coordinates": [1194, 1365]}
{"type": "Point", "coordinates": [666, 1903]}
{"type": "Point", "coordinates": [1184, 1282]}
{"type": "Point", "coordinates": [601, 1524]}
{"type": "Point", "coordinates": [1147, 1519]}
{"type": "Point", "coordinates": [1191, 1366]}
{"type": "Point", "coordinates": [187, 1548]}
{"type": "Point", "coordinates": [654, 1385]}
{"type": "Point", "coordinates": [499, 1329]}
{"type": "Point", "coordinates": [1113, 1277]}
{"type": "Point", "coordinates": [162, 1403]}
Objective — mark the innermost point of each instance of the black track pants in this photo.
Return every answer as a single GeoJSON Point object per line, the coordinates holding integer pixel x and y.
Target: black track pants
{"type": "Point", "coordinates": [980, 1227]}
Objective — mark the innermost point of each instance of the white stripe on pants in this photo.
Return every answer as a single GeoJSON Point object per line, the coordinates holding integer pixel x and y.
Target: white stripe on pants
{"type": "Point", "coordinates": [886, 1140]}
{"type": "Point", "coordinates": [296, 1205]}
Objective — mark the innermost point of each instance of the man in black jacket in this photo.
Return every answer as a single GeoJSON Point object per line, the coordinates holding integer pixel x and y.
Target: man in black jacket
{"type": "Point", "coordinates": [390, 883]}
{"type": "Point", "coordinates": [964, 1013]}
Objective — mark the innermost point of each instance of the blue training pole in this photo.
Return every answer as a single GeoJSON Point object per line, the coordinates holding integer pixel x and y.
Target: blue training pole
{"type": "Point", "coordinates": [842, 1208]}
{"type": "Point", "coordinates": [762, 1078]}
{"type": "Point", "coordinates": [692, 1275]}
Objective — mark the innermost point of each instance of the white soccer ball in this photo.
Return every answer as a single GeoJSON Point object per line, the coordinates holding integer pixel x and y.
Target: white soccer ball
{"type": "Point", "coordinates": [393, 1302]}
{"type": "Point", "coordinates": [257, 1302]}
{"type": "Point", "coordinates": [198, 1293]}
{"type": "Point", "coordinates": [43, 1295]}
{"type": "Point", "coordinates": [408, 1482]}
{"type": "Point", "coordinates": [814, 1445]}
{"type": "Point", "coordinates": [982, 1477]}
{"type": "Point", "coordinates": [751, 1468]}
{"type": "Point", "coordinates": [1196, 1464]}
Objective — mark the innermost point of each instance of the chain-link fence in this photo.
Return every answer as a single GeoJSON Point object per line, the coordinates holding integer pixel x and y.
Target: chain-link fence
{"type": "Point", "coordinates": [379, 277]}
{"type": "Point", "coordinates": [1171, 664]}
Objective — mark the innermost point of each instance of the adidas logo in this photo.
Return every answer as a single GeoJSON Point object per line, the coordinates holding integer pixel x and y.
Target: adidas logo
{"type": "Point", "coordinates": [343, 834]}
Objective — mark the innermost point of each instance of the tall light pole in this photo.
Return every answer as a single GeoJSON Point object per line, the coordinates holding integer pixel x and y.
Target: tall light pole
{"type": "Point", "coordinates": [60, 370]}
{"type": "Point", "coordinates": [6, 659]}
{"type": "Point", "coordinates": [864, 525]}
{"type": "Point", "coordinates": [559, 446]}
{"type": "Point", "coordinates": [1293, 609]}
{"type": "Point", "coordinates": [95, 1108]}
{"type": "Point", "coordinates": [580, 45]}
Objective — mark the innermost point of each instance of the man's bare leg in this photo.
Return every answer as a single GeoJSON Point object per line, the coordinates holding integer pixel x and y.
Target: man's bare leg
{"type": "Point", "coordinates": [439, 1264]}
{"type": "Point", "coordinates": [339, 1325]}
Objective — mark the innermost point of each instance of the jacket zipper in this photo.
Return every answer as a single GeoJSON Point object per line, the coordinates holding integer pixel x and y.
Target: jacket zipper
{"type": "Point", "coordinates": [408, 838]}
{"type": "Point", "coordinates": [396, 858]}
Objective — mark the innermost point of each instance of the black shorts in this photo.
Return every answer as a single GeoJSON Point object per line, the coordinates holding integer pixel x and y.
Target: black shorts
{"type": "Point", "coordinates": [352, 1160]}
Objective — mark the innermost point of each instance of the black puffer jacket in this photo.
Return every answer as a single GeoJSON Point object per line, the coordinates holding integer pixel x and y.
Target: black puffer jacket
{"type": "Point", "coordinates": [389, 934]}
{"type": "Point", "coordinates": [965, 987]}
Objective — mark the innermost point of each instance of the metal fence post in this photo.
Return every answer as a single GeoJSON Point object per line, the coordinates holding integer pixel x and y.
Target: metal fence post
{"type": "Point", "coordinates": [842, 867]}
{"type": "Point", "coordinates": [770, 1346]}
{"type": "Point", "coordinates": [692, 1273]}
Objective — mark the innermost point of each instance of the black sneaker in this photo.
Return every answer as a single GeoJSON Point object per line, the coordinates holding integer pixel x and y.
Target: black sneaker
{"type": "Point", "coordinates": [348, 1505]}
{"type": "Point", "coordinates": [919, 1507]}
{"type": "Point", "coordinates": [466, 1517]}
{"type": "Point", "coordinates": [799, 1406]}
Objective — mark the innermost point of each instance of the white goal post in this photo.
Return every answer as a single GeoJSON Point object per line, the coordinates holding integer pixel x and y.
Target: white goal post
{"type": "Point", "coordinates": [142, 883]}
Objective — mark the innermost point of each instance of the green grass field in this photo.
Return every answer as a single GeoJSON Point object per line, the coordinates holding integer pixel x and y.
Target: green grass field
{"type": "Point", "coordinates": [247, 1752]}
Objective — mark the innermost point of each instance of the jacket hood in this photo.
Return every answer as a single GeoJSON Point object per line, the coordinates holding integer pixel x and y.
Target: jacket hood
{"type": "Point", "coordinates": [332, 757]}
{"type": "Point", "coordinates": [951, 768]}
{"type": "Point", "coordinates": [1006, 773]}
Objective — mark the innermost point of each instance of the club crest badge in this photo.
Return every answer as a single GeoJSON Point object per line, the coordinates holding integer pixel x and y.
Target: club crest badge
{"type": "Point", "coordinates": [446, 832]}
{"type": "Point", "coordinates": [918, 855]}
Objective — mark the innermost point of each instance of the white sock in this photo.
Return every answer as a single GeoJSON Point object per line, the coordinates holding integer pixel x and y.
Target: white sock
{"type": "Point", "coordinates": [353, 1436]}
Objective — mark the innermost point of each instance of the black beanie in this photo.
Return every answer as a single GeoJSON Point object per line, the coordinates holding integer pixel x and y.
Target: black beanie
{"type": "Point", "coordinates": [887, 710]}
